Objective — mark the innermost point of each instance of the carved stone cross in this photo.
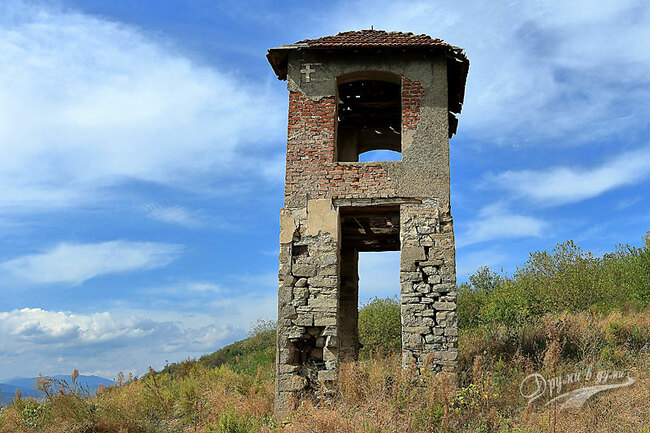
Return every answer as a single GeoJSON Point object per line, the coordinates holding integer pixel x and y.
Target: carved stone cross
{"type": "Point", "coordinates": [307, 70]}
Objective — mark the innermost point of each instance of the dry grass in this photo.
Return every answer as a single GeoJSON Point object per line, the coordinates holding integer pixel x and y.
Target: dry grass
{"type": "Point", "coordinates": [199, 401]}
{"type": "Point", "coordinates": [375, 395]}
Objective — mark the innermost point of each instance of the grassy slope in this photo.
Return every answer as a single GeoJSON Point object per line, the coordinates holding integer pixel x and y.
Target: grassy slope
{"type": "Point", "coordinates": [574, 312]}
{"type": "Point", "coordinates": [242, 356]}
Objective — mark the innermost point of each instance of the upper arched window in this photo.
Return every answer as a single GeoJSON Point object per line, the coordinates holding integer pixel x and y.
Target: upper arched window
{"type": "Point", "coordinates": [369, 117]}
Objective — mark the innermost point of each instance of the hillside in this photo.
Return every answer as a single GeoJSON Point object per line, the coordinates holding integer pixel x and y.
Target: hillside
{"type": "Point", "coordinates": [563, 280]}
{"type": "Point", "coordinates": [242, 356]}
{"type": "Point", "coordinates": [563, 312]}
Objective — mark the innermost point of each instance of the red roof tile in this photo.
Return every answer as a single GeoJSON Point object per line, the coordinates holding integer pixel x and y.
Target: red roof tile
{"type": "Point", "coordinates": [457, 64]}
{"type": "Point", "coordinates": [373, 38]}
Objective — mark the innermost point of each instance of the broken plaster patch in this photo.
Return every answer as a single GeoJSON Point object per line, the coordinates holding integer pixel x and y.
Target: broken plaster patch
{"type": "Point", "coordinates": [287, 226]}
{"type": "Point", "coordinates": [322, 218]}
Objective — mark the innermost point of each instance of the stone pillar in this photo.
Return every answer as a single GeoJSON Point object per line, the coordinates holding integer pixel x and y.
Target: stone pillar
{"type": "Point", "coordinates": [428, 287]}
{"type": "Point", "coordinates": [349, 304]}
{"type": "Point", "coordinates": [308, 301]}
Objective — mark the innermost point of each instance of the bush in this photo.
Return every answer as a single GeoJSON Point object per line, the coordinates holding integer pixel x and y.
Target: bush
{"type": "Point", "coordinates": [34, 414]}
{"type": "Point", "coordinates": [232, 422]}
{"type": "Point", "coordinates": [247, 355]}
{"type": "Point", "coordinates": [628, 270]}
{"type": "Point", "coordinates": [563, 280]}
{"type": "Point", "coordinates": [380, 326]}
{"type": "Point", "coordinates": [262, 327]}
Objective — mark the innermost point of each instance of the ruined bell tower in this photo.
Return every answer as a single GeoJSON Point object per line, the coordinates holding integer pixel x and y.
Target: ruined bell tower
{"type": "Point", "coordinates": [349, 94]}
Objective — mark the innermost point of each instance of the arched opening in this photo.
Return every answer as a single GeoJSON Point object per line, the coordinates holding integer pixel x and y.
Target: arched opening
{"type": "Point", "coordinates": [380, 155]}
{"type": "Point", "coordinates": [369, 117]}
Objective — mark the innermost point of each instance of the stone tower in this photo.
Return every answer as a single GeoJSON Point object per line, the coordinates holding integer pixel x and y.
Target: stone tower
{"type": "Point", "coordinates": [349, 94]}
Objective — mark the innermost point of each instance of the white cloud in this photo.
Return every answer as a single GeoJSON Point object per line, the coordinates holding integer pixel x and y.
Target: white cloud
{"type": "Point", "coordinates": [246, 299]}
{"type": "Point", "coordinates": [175, 215]}
{"type": "Point", "coordinates": [628, 202]}
{"type": "Point", "coordinates": [538, 69]}
{"type": "Point", "coordinates": [497, 222]}
{"type": "Point", "coordinates": [76, 263]}
{"type": "Point", "coordinates": [34, 340]}
{"type": "Point", "coordinates": [66, 329]}
{"type": "Point", "coordinates": [86, 104]}
{"type": "Point", "coordinates": [558, 185]}
{"type": "Point", "coordinates": [58, 341]}
{"type": "Point", "coordinates": [199, 291]}
{"type": "Point", "coordinates": [198, 286]}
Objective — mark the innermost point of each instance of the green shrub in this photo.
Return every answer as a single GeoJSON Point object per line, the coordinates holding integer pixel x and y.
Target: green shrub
{"type": "Point", "coordinates": [380, 326]}
{"type": "Point", "coordinates": [34, 414]}
{"type": "Point", "coordinates": [627, 271]}
{"type": "Point", "coordinates": [563, 280]}
{"type": "Point", "coordinates": [232, 422]}
{"type": "Point", "coordinates": [246, 355]}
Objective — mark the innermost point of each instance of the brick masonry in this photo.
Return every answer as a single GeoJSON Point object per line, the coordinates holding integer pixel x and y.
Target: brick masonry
{"type": "Point", "coordinates": [412, 93]}
{"type": "Point", "coordinates": [311, 157]}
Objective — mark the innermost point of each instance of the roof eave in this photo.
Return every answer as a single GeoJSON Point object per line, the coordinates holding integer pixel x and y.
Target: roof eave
{"type": "Point", "coordinates": [457, 67]}
{"type": "Point", "coordinates": [457, 70]}
{"type": "Point", "coordinates": [278, 57]}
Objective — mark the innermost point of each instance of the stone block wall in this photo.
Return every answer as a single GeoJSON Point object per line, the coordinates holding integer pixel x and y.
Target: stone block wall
{"type": "Point", "coordinates": [308, 301]}
{"type": "Point", "coordinates": [428, 287]}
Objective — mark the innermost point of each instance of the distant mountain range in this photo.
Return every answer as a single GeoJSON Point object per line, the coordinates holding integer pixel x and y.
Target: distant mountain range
{"type": "Point", "coordinates": [27, 386]}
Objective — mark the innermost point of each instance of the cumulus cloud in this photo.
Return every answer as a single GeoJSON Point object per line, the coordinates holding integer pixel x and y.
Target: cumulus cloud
{"type": "Point", "coordinates": [36, 340]}
{"type": "Point", "coordinates": [66, 329]}
{"type": "Point", "coordinates": [76, 263]}
{"type": "Point", "coordinates": [559, 185]}
{"type": "Point", "coordinates": [498, 222]}
{"type": "Point", "coordinates": [87, 104]}
{"type": "Point", "coordinates": [59, 340]}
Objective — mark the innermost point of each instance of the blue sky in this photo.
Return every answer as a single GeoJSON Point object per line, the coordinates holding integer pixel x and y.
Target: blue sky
{"type": "Point", "coordinates": [142, 157]}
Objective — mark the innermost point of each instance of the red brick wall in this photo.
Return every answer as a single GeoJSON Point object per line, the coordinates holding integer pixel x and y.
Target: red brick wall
{"type": "Point", "coordinates": [311, 150]}
{"type": "Point", "coordinates": [412, 93]}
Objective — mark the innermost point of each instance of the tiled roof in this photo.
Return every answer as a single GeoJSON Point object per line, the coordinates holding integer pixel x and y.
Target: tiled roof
{"type": "Point", "coordinates": [457, 63]}
{"type": "Point", "coordinates": [363, 39]}
{"type": "Point", "coordinates": [373, 38]}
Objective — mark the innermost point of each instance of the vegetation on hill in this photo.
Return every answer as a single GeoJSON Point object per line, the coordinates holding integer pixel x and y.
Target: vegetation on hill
{"type": "Point", "coordinates": [565, 279]}
{"type": "Point", "coordinates": [564, 311]}
{"type": "Point", "coordinates": [242, 356]}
